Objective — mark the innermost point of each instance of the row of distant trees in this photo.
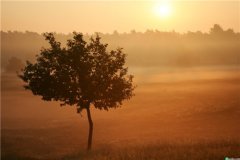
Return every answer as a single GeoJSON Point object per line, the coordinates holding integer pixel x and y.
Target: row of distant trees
{"type": "Point", "coordinates": [215, 30]}
{"type": "Point", "coordinates": [151, 48]}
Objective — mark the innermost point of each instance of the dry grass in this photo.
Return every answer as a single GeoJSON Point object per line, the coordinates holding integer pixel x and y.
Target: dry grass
{"type": "Point", "coordinates": [196, 151]}
{"type": "Point", "coordinates": [166, 151]}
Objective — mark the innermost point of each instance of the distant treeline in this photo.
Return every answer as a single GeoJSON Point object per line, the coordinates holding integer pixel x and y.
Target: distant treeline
{"type": "Point", "coordinates": [151, 48]}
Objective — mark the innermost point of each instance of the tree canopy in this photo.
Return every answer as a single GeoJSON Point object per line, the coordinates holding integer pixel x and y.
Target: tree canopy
{"type": "Point", "coordinates": [79, 74]}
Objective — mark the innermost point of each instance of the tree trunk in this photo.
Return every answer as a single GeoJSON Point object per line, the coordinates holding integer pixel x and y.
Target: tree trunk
{"type": "Point", "coordinates": [90, 129]}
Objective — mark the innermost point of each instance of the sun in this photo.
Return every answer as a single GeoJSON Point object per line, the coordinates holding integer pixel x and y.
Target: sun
{"type": "Point", "coordinates": [163, 10]}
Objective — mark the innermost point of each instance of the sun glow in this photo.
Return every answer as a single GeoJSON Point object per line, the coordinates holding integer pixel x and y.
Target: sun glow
{"type": "Point", "coordinates": [163, 10]}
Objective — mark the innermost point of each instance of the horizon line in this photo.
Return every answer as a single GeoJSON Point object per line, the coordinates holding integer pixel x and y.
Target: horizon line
{"type": "Point", "coordinates": [115, 31]}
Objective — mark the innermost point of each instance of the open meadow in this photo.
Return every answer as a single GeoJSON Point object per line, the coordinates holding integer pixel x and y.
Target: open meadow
{"type": "Point", "coordinates": [175, 114]}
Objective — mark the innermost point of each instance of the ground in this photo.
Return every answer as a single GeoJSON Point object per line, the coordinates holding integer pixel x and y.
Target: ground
{"type": "Point", "coordinates": [173, 115]}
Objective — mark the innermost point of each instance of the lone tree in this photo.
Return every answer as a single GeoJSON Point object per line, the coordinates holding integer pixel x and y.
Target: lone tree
{"type": "Point", "coordinates": [81, 74]}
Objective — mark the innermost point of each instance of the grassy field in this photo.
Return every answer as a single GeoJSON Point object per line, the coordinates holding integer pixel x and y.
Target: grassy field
{"type": "Point", "coordinates": [196, 151]}
{"type": "Point", "coordinates": [166, 151]}
{"type": "Point", "coordinates": [169, 118]}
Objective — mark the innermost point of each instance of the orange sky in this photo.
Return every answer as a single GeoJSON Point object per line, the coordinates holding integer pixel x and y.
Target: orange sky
{"type": "Point", "coordinates": [123, 16]}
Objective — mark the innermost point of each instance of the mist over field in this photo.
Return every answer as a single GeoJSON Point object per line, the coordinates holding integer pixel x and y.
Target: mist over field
{"type": "Point", "coordinates": [187, 100]}
{"type": "Point", "coordinates": [151, 48]}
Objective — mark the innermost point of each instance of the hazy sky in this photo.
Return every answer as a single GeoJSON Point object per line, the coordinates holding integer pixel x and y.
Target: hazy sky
{"type": "Point", "coordinates": [123, 16]}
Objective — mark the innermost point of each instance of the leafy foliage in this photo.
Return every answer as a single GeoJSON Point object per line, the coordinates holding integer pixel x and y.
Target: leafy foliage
{"type": "Point", "coordinates": [79, 74]}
